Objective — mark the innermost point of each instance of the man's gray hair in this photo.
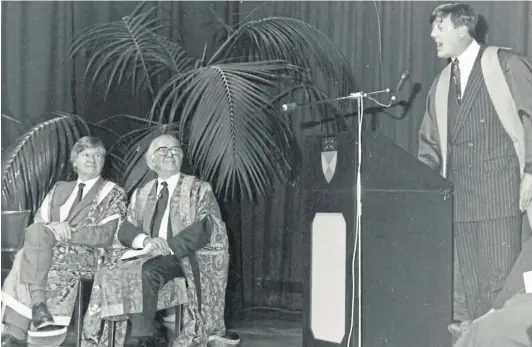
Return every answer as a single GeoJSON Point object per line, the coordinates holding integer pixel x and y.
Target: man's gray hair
{"type": "Point", "coordinates": [84, 143]}
{"type": "Point", "coordinates": [151, 149]}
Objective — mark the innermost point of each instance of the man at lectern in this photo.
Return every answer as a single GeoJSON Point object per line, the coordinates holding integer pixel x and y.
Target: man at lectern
{"type": "Point", "coordinates": [477, 133]}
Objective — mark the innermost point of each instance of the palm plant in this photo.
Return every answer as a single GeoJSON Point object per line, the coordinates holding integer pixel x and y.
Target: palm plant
{"type": "Point", "coordinates": [38, 159]}
{"type": "Point", "coordinates": [225, 108]}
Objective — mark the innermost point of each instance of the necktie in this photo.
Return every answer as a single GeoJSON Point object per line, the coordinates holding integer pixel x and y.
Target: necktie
{"type": "Point", "coordinates": [160, 207]}
{"type": "Point", "coordinates": [456, 78]}
{"type": "Point", "coordinates": [79, 196]}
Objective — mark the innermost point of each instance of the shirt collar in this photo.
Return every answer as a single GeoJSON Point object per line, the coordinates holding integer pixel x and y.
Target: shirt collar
{"type": "Point", "coordinates": [171, 181]}
{"type": "Point", "coordinates": [88, 184]}
{"type": "Point", "coordinates": [468, 57]}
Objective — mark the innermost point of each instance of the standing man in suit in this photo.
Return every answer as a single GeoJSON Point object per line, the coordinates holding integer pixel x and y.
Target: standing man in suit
{"type": "Point", "coordinates": [475, 134]}
{"type": "Point", "coordinates": [76, 221]}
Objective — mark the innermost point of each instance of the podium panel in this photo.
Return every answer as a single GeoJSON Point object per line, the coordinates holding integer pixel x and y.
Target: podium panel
{"type": "Point", "coordinates": [327, 320]}
{"type": "Point", "coordinates": [406, 246]}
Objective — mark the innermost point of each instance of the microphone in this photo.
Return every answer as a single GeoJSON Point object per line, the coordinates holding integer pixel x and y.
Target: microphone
{"type": "Point", "coordinates": [289, 107]}
{"type": "Point", "coordinates": [400, 84]}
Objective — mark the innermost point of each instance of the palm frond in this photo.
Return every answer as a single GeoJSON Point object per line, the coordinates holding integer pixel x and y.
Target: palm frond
{"type": "Point", "coordinates": [236, 138]}
{"type": "Point", "coordinates": [12, 119]}
{"type": "Point", "coordinates": [38, 160]}
{"type": "Point", "coordinates": [129, 50]}
{"type": "Point", "coordinates": [292, 40]}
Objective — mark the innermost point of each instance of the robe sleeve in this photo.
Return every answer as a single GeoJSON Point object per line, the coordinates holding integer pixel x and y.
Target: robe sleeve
{"type": "Point", "coordinates": [429, 152]}
{"type": "Point", "coordinates": [129, 230]}
{"type": "Point", "coordinates": [198, 235]}
{"type": "Point", "coordinates": [518, 72]}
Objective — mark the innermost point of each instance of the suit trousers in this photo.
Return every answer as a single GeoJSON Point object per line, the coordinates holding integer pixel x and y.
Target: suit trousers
{"type": "Point", "coordinates": [37, 255]}
{"type": "Point", "coordinates": [156, 272]}
{"type": "Point", "coordinates": [486, 251]}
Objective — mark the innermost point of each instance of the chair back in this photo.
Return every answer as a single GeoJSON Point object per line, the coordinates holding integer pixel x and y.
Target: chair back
{"type": "Point", "coordinates": [14, 229]}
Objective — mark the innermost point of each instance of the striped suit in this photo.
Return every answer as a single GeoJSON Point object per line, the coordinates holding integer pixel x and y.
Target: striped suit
{"type": "Point", "coordinates": [485, 171]}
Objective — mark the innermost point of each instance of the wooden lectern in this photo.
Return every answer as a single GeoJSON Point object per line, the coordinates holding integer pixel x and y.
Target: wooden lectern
{"type": "Point", "coordinates": [406, 246]}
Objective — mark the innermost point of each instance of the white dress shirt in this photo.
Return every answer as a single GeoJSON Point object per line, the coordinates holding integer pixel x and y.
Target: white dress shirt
{"type": "Point", "coordinates": [172, 183]}
{"type": "Point", "coordinates": [466, 60]}
{"type": "Point", "coordinates": [64, 210]}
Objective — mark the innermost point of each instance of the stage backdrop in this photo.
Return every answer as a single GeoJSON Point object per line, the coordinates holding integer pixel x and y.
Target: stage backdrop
{"type": "Point", "coordinates": [272, 237]}
{"type": "Point", "coordinates": [379, 39]}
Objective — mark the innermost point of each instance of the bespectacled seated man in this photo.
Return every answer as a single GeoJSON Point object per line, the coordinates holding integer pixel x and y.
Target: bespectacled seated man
{"type": "Point", "coordinates": [176, 219]}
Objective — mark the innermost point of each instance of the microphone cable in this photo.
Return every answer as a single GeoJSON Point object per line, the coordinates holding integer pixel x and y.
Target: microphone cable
{"type": "Point", "coordinates": [357, 252]}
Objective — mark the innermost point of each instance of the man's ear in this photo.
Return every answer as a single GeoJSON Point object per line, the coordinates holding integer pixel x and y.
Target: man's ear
{"type": "Point", "coordinates": [463, 31]}
{"type": "Point", "coordinates": [149, 162]}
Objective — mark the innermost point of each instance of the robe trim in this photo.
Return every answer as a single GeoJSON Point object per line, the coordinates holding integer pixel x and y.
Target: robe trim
{"type": "Point", "coordinates": [109, 219]}
{"type": "Point", "coordinates": [193, 259]}
{"type": "Point", "coordinates": [104, 191]}
{"type": "Point", "coordinates": [441, 107]}
{"type": "Point", "coordinates": [25, 311]}
{"type": "Point", "coordinates": [502, 99]}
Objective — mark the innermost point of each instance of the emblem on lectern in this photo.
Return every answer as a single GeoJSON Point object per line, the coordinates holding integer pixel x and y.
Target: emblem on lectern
{"type": "Point", "coordinates": [328, 157]}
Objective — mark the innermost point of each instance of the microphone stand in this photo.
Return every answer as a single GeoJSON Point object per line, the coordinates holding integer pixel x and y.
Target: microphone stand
{"type": "Point", "coordinates": [360, 96]}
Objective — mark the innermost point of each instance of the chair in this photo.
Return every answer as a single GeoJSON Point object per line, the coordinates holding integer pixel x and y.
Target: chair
{"type": "Point", "coordinates": [14, 225]}
{"type": "Point", "coordinates": [178, 286]}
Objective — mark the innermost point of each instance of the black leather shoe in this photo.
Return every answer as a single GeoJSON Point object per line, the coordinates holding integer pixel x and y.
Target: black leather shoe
{"type": "Point", "coordinates": [40, 316]}
{"type": "Point", "coordinates": [148, 342]}
{"type": "Point", "coordinates": [11, 341]}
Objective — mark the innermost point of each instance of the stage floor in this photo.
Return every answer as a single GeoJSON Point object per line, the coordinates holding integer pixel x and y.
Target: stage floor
{"type": "Point", "coordinates": [257, 329]}
{"type": "Point", "coordinates": [270, 333]}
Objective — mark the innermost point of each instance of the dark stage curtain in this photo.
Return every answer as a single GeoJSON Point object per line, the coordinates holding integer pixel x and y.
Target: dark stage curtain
{"type": "Point", "coordinates": [38, 77]}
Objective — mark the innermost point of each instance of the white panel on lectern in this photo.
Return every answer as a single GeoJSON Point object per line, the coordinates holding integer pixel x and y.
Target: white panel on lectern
{"type": "Point", "coordinates": [327, 287]}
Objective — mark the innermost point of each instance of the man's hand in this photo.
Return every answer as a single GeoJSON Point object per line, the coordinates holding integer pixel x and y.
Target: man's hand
{"type": "Point", "coordinates": [61, 230]}
{"type": "Point", "coordinates": [158, 246]}
{"type": "Point", "coordinates": [525, 195]}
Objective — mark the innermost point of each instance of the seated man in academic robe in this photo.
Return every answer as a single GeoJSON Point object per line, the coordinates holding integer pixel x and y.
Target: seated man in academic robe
{"type": "Point", "coordinates": [75, 223]}
{"type": "Point", "coordinates": [509, 323]}
{"type": "Point", "coordinates": [176, 219]}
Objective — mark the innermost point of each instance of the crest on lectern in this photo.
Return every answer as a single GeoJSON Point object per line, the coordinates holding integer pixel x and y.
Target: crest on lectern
{"type": "Point", "coordinates": [329, 157]}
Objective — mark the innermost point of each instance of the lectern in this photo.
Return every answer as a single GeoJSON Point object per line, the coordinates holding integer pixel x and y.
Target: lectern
{"type": "Point", "coordinates": [405, 238]}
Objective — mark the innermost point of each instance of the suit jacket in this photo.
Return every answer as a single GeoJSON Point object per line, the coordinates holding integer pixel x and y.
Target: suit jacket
{"type": "Point", "coordinates": [97, 233]}
{"type": "Point", "coordinates": [516, 120]}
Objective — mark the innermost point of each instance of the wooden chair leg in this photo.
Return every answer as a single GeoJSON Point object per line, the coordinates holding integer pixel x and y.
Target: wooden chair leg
{"type": "Point", "coordinates": [79, 315]}
{"type": "Point", "coordinates": [111, 329]}
{"type": "Point", "coordinates": [178, 315]}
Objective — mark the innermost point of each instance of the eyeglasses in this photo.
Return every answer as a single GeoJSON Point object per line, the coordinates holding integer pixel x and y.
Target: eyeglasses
{"type": "Point", "coordinates": [163, 151]}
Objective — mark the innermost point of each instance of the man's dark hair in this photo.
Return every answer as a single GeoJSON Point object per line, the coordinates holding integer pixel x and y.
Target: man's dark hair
{"type": "Point", "coordinates": [460, 15]}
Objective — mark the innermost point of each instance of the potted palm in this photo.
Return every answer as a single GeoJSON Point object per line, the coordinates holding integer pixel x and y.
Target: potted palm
{"type": "Point", "coordinates": [225, 107]}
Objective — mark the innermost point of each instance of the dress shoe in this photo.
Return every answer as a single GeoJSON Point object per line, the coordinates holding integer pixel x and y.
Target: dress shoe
{"type": "Point", "coordinates": [10, 341]}
{"type": "Point", "coordinates": [40, 316]}
{"type": "Point", "coordinates": [148, 342]}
